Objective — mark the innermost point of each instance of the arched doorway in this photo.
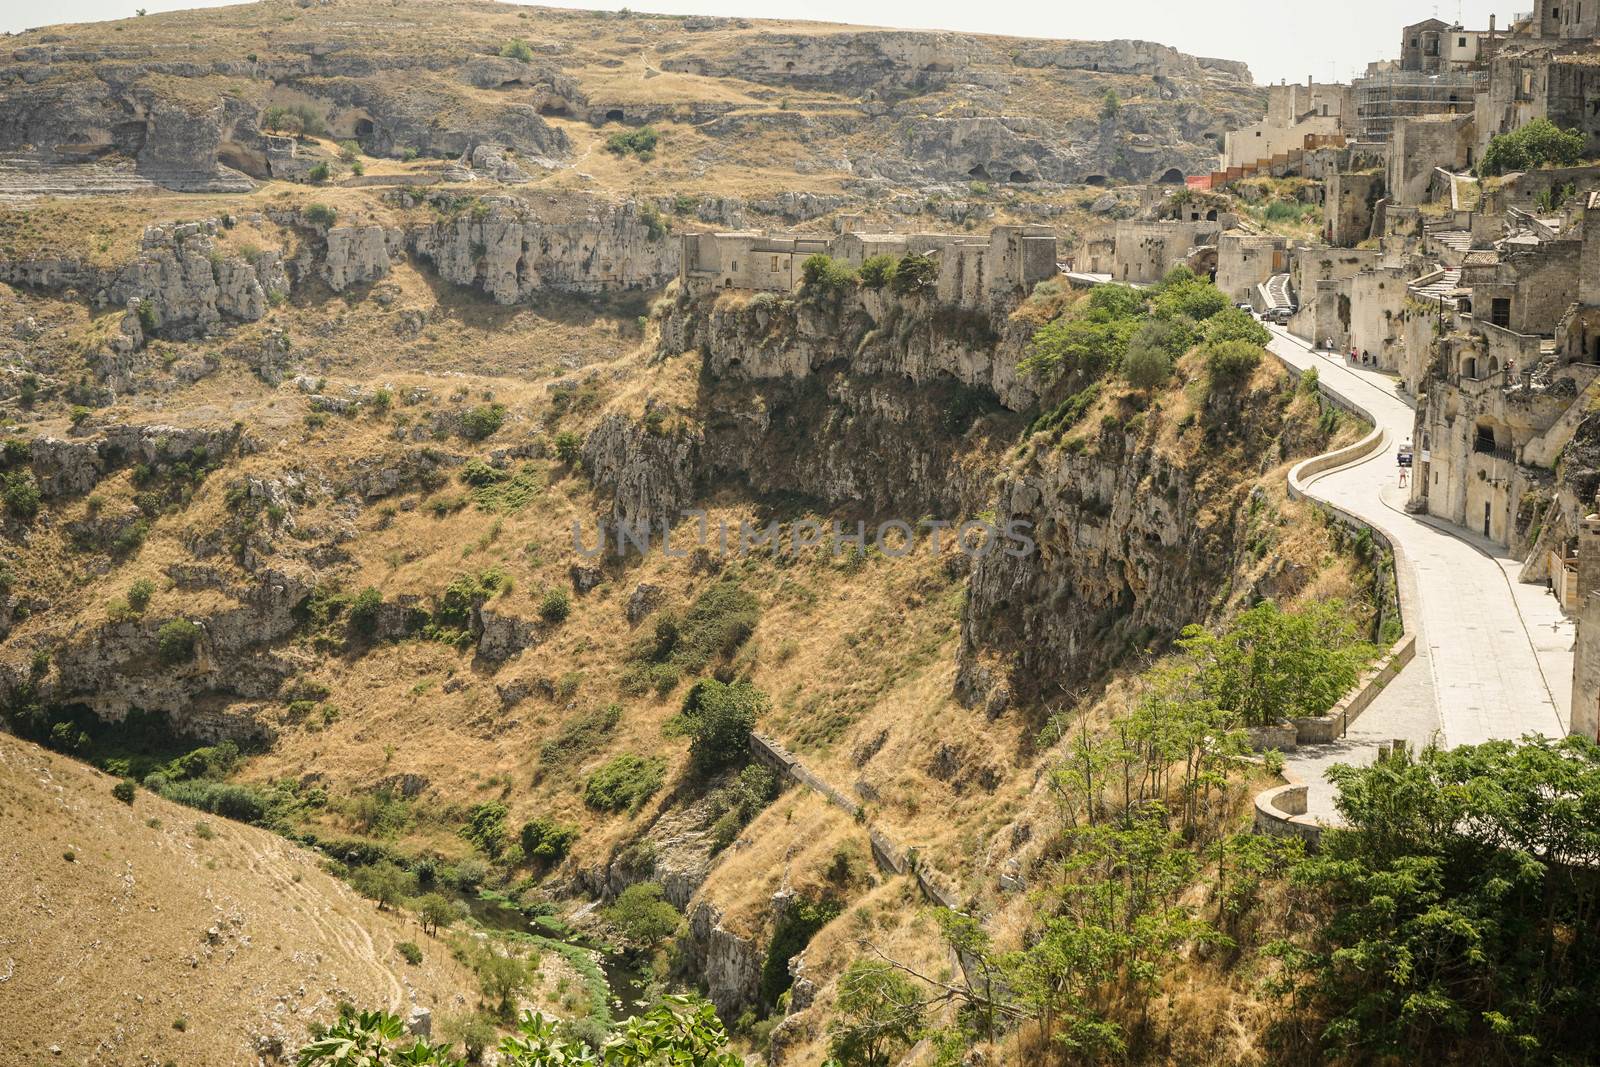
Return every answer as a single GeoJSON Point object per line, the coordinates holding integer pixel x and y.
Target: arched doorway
{"type": "Point", "coordinates": [1173, 176]}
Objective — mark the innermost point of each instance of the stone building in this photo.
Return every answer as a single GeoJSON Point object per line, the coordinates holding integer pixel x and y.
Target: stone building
{"type": "Point", "coordinates": [1294, 113]}
{"type": "Point", "coordinates": [1586, 650]}
{"type": "Point", "coordinates": [1423, 144]}
{"type": "Point", "coordinates": [1384, 97]}
{"type": "Point", "coordinates": [1513, 377]}
{"type": "Point", "coordinates": [1321, 280]}
{"type": "Point", "coordinates": [1556, 82]}
{"type": "Point", "coordinates": [1246, 260]}
{"type": "Point", "coordinates": [973, 271]}
{"type": "Point", "coordinates": [1147, 250]}
{"type": "Point", "coordinates": [1567, 20]}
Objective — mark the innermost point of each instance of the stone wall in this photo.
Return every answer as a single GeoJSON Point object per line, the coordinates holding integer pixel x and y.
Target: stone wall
{"type": "Point", "coordinates": [1586, 651]}
{"type": "Point", "coordinates": [1420, 146]}
{"type": "Point", "coordinates": [1351, 200]}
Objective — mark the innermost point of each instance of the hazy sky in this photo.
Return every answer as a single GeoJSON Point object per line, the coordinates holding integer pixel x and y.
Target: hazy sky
{"type": "Point", "coordinates": [1278, 38]}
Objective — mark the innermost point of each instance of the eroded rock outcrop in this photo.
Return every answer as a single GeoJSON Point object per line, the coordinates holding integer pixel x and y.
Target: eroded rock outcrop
{"type": "Point", "coordinates": [511, 253]}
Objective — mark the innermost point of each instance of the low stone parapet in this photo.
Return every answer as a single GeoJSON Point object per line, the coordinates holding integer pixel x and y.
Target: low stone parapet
{"type": "Point", "coordinates": [1281, 812]}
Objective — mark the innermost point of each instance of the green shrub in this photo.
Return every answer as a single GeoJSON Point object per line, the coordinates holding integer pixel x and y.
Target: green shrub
{"type": "Point", "coordinates": [547, 840]}
{"type": "Point", "coordinates": [320, 173]}
{"type": "Point", "coordinates": [364, 610]}
{"type": "Point", "coordinates": [581, 734]}
{"type": "Point", "coordinates": [641, 142]}
{"type": "Point", "coordinates": [123, 790]}
{"type": "Point", "coordinates": [825, 276]}
{"type": "Point", "coordinates": [878, 271]}
{"type": "Point", "coordinates": [555, 606]}
{"type": "Point", "coordinates": [321, 215]}
{"type": "Point", "coordinates": [486, 827]}
{"type": "Point", "coordinates": [349, 150]}
{"type": "Point", "coordinates": [1539, 143]}
{"type": "Point", "coordinates": [409, 952]}
{"type": "Point", "coordinates": [518, 50]}
{"type": "Point", "coordinates": [482, 421]}
{"type": "Point", "coordinates": [21, 494]}
{"type": "Point", "coordinates": [176, 640]}
{"type": "Point", "coordinates": [624, 782]}
{"type": "Point", "coordinates": [569, 446]}
{"type": "Point", "coordinates": [139, 594]}
{"type": "Point", "coordinates": [1146, 366]}
{"type": "Point", "coordinates": [1231, 363]}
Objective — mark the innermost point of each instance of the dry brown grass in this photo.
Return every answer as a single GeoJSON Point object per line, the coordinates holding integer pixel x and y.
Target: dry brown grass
{"type": "Point", "coordinates": [109, 954]}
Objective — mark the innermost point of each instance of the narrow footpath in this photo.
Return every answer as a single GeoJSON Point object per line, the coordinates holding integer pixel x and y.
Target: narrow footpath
{"type": "Point", "coordinates": [1494, 656]}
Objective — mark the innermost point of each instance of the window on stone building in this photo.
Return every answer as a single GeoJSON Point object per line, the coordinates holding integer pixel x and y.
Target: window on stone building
{"type": "Point", "coordinates": [1500, 311]}
{"type": "Point", "coordinates": [774, 264]}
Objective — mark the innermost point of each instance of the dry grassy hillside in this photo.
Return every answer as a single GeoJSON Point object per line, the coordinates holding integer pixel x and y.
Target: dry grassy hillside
{"type": "Point", "coordinates": [149, 933]}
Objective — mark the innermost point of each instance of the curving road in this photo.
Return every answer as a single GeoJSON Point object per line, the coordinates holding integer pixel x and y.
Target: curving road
{"type": "Point", "coordinates": [1494, 656]}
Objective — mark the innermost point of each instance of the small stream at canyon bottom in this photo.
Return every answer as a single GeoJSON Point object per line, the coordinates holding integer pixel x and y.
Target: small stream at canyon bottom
{"type": "Point", "coordinates": [626, 981]}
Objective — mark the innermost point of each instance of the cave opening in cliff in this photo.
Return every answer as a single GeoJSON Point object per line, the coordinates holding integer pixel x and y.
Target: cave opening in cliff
{"type": "Point", "coordinates": [980, 172]}
{"type": "Point", "coordinates": [1095, 179]}
{"type": "Point", "coordinates": [1173, 176]}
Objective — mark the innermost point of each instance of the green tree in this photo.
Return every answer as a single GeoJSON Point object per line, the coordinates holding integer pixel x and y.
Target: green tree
{"type": "Point", "coordinates": [718, 718]}
{"type": "Point", "coordinates": [1234, 324]}
{"type": "Point", "coordinates": [1270, 664]}
{"type": "Point", "coordinates": [502, 978]}
{"type": "Point", "coordinates": [825, 276]}
{"type": "Point", "coordinates": [435, 912]}
{"type": "Point", "coordinates": [915, 273]}
{"type": "Point", "coordinates": [1455, 910]}
{"type": "Point", "coordinates": [878, 271]}
{"type": "Point", "coordinates": [880, 1015]}
{"type": "Point", "coordinates": [385, 882]}
{"type": "Point", "coordinates": [643, 915]}
{"type": "Point", "coordinates": [1110, 106]}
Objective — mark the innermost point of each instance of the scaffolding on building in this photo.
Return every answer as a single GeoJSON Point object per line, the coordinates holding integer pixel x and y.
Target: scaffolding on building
{"type": "Point", "coordinates": [1381, 99]}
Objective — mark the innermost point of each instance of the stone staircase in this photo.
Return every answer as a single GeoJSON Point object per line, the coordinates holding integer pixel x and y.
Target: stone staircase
{"type": "Point", "coordinates": [1277, 292]}
{"type": "Point", "coordinates": [1439, 285]}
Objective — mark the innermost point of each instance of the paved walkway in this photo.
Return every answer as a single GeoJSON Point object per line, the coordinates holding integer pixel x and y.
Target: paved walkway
{"type": "Point", "coordinates": [1494, 656]}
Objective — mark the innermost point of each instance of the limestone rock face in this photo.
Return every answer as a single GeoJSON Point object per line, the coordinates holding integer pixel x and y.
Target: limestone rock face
{"type": "Point", "coordinates": [649, 477]}
{"type": "Point", "coordinates": [728, 964]}
{"type": "Point", "coordinates": [358, 255]}
{"type": "Point", "coordinates": [180, 286]}
{"type": "Point", "coordinates": [1129, 539]}
{"type": "Point", "coordinates": [510, 254]}
{"type": "Point", "coordinates": [875, 332]}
